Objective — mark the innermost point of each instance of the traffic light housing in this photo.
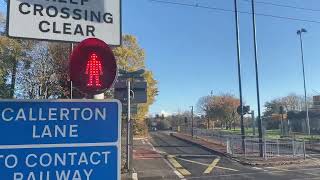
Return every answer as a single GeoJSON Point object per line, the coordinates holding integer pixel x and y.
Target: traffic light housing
{"type": "Point", "coordinates": [246, 110]}
{"type": "Point", "coordinates": [93, 67]}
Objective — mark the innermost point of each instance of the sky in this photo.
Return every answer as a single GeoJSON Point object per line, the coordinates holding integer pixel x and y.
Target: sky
{"type": "Point", "coordinates": [192, 51]}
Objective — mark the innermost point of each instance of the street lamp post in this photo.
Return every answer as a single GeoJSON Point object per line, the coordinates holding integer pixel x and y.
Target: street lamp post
{"type": "Point", "coordinates": [299, 32]}
{"type": "Point", "coordinates": [192, 121]}
{"type": "Point", "coordinates": [239, 73]}
{"type": "Point", "coordinates": [257, 76]}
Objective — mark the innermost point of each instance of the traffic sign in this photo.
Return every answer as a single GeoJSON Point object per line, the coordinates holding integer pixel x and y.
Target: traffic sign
{"type": "Point", "coordinates": [139, 91]}
{"type": "Point", "coordinates": [65, 20]}
{"type": "Point", "coordinates": [67, 139]}
{"type": "Point", "coordinates": [246, 110]}
{"type": "Point", "coordinates": [133, 108]}
{"type": "Point", "coordinates": [93, 67]}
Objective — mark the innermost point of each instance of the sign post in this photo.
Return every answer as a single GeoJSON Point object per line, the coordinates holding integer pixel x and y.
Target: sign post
{"type": "Point", "coordinates": [60, 139]}
{"type": "Point", "coordinates": [120, 86]}
{"type": "Point", "coordinates": [70, 21]}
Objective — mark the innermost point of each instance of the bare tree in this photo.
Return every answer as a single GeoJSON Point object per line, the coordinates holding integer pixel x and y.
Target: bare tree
{"type": "Point", "coordinates": [39, 80]}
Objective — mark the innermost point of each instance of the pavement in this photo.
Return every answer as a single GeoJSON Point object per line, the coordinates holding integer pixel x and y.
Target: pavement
{"type": "Point", "coordinates": [165, 157]}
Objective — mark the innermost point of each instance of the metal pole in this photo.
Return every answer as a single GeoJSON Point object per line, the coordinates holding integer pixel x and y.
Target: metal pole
{"type": "Point", "coordinates": [71, 84]}
{"type": "Point", "coordinates": [129, 131]}
{"type": "Point", "coordinates": [71, 92]}
{"type": "Point", "coordinates": [304, 149]}
{"type": "Point", "coordinates": [239, 72]}
{"type": "Point", "coordinates": [304, 84]}
{"type": "Point", "coordinates": [257, 76]}
{"type": "Point", "coordinates": [13, 77]}
{"type": "Point", "coordinates": [282, 125]}
{"type": "Point", "coordinates": [253, 123]}
{"type": "Point", "coordinates": [192, 121]}
{"type": "Point", "coordinates": [278, 148]}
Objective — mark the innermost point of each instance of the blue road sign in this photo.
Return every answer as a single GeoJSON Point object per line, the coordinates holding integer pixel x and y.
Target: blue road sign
{"type": "Point", "coordinates": [60, 140]}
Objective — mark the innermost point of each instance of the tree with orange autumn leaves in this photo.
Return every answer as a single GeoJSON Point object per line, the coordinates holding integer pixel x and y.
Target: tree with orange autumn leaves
{"type": "Point", "coordinates": [221, 108]}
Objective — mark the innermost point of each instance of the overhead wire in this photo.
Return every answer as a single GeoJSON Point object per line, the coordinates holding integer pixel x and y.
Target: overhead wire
{"type": "Point", "coordinates": [197, 5]}
{"type": "Point", "coordinates": [284, 5]}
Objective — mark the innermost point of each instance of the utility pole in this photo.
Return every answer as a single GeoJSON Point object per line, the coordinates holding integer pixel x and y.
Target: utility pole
{"type": "Point", "coordinates": [192, 120]}
{"type": "Point", "coordinates": [239, 73]}
{"type": "Point", "coordinates": [257, 77]}
{"type": "Point", "coordinates": [299, 32]}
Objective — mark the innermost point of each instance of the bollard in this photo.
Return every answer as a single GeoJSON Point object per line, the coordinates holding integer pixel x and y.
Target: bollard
{"type": "Point", "coordinates": [245, 150]}
{"type": "Point", "coordinates": [278, 148]}
{"type": "Point", "coordinates": [265, 149]}
{"type": "Point", "coordinates": [228, 147]}
{"type": "Point", "coordinates": [293, 146]}
{"type": "Point", "coordinates": [304, 149]}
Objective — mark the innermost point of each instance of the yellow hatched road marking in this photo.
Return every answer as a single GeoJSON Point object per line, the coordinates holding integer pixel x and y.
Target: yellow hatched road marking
{"type": "Point", "coordinates": [178, 166]}
{"type": "Point", "coordinates": [204, 164]}
{"type": "Point", "coordinates": [184, 172]}
{"type": "Point", "coordinates": [211, 166]}
{"type": "Point", "coordinates": [174, 162]}
{"type": "Point", "coordinates": [195, 162]}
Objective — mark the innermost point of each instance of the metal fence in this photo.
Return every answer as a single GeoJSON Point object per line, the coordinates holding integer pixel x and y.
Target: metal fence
{"type": "Point", "coordinates": [270, 147]}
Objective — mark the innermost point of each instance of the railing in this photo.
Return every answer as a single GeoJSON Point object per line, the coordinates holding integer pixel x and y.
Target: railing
{"type": "Point", "coordinates": [270, 147]}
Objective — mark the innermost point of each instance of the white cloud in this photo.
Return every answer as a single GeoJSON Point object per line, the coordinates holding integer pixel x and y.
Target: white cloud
{"type": "Point", "coordinates": [165, 114]}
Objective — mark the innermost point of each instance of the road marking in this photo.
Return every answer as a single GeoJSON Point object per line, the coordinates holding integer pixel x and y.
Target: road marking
{"type": "Point", "coordinates": [204, 164]}
{"type": "Point", "coordinates": [195, 162]}
{"type": "Point", "coordinates": [174, 170]}
{"type": "Point", "coordinates": [292, 170]}
{"type": "Point", "coordinates": [174, 162]}
{"type": "Point", "coordinates": [134, 176]}
{"type": "Point", "coordinates": [166, 161]}
{"type": "Point", "coordinates": [211, 166]}
{"type": "Point", "coordinates": [219, 167]}
{"type": "Point", "coordinates": [195, 155]}
{"type": "Point", "coordinates": [178, 166]}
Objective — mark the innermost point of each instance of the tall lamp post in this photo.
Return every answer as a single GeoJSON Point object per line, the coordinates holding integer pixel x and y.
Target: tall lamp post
{"type": "Point", "coordinates": [239, 73]}
{"type": "Point", "coordinates": [299, 32]}
{"type": "Point", "coordinates": [257, 77]}
{"type": "Point", "coordinates": [192, 125]}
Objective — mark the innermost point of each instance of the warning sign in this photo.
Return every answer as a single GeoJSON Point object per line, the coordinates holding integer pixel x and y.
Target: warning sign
{"type": "Point", "coordinates": [66, 20]}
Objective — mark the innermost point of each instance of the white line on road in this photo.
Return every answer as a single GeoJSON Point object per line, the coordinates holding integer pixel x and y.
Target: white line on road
{"type": "Point", "coordinates": [257, 168]}
{"type": "Point", "coordinates": [204, 164]}
{"type": "Point", "coordinates": [173, 169]}
{"type": "Point", "coordinates": [154, 149]}
{"type": "Point", "coordinates": [195, 162]}
{"type": "Point", "coordinates": [293, 170]}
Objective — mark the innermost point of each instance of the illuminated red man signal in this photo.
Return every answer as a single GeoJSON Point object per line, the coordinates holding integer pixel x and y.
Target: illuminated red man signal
{"type": "Point", "coordinates": [93, 67]}
{"type": "Point", "coordinates": [94, 71]}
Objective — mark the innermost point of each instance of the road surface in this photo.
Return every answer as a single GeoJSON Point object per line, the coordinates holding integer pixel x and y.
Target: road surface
{"type": "Point", "coordinates": [165, 157]}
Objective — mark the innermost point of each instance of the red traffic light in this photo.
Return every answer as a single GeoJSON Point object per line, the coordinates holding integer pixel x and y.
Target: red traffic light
{"type": "Point", "coordinates": [93, 67]}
